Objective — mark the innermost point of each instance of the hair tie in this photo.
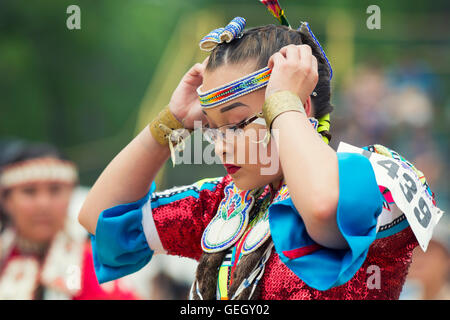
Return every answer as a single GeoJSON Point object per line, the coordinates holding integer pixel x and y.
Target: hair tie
{"type": "Point", "coordinates": [324, 125]}
{"type": "Point", "coordinates": [232, 31]}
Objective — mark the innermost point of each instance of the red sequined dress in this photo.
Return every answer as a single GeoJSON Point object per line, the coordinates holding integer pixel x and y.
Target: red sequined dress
{"type": "Point", "coordinates": [175, 222]}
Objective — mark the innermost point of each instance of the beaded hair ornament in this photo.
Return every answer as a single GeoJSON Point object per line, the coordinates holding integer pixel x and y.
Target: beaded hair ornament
{"type": "Point", "coordinates": [257, 79]}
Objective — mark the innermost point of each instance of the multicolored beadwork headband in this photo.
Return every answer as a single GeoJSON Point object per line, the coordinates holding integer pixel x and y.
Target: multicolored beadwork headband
{"type": "Point", "coordinates": [234, 89]}
{"type": "Point", "coordinates": [255, 80]}
{"type": "Point", "coordinates": [258, 79]}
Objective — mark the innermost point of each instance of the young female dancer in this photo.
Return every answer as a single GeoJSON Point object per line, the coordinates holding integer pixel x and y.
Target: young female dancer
{"type": "Point", "coordinates": [318, 226]}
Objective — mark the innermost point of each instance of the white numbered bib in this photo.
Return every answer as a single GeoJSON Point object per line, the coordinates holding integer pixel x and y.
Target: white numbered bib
{"type": "Point", "coordinates": [408, 192]}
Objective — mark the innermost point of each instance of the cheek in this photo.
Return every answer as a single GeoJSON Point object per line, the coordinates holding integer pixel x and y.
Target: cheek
{"type": "Point", "coordinates": [24, 208]}
{"type": "Point", "coordinates": [21, 209]}
{"type": "Point", "coordinates": [60, 207]}
{"type": "Point", "coordinates": [59, 204]}
{"type": "Point", "coordinates": [258, 152]}
{"type": "Point", "coordinates": [20, 206]}
{"type": "Point", "coordinates": [260, 160]}
{"type": "Point", "coordinates": [269, 161]}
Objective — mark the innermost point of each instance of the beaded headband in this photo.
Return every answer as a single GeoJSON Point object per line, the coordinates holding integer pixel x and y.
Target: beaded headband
{"type": "Point", "coordinates": [41, 169]}
{"type": "Point", "coordinates": [259, 78]}
{"type": "Point", "coordinates": [234, 89]}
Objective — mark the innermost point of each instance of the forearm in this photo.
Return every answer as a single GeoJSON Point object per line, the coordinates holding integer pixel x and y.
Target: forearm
{"type": "Point", "coordinates": [127, 178]}
{"type": "Point", "coordinates": [310, 169]}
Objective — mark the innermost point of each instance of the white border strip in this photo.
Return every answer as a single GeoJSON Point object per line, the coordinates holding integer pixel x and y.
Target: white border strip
{"type": "Point", "coordinates": [150, 231]}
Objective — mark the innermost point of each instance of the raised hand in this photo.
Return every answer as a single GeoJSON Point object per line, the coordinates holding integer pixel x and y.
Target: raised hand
{"type": "Point", "coordinates": [294, 68]}
{"type": "Point", "coordinates": [184, 103]}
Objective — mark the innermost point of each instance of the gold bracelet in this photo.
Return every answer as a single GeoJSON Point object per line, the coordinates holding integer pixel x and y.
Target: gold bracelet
{"type": "Point", "coordinates": [280, 102]}
{"type": "Point", "coordinates": [163, 126]}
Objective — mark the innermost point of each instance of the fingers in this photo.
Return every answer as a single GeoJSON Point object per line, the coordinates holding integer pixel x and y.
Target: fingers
{"type": "Point", "coordinates": [197, 69]}
{"type": "Point", "coordinates": [315, 68]}
{"type": "Point", "coordinates": [306, 59]}
{"type": "Point", "coordinates": [195, 75]}
{"type": "Point", "coordinates": [205, 62]}
{"type": "Point", "coordinates": [275, 59]}
{"type": "Point", "coordinates": [294, 68]}
{"type": "Point", "coordinates": [298, 56]}
{"type": "Point", "coordinates": [291, 52]}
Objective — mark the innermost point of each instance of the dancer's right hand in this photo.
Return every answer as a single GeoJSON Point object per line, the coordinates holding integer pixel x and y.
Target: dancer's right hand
{"type": "Point", "coordinates": [184, 103]}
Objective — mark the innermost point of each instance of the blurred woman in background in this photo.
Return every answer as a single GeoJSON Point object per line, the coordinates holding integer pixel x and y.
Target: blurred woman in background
{"type": "Point", "coordinates": [44, 254]}
{"type": "Point", "coordinates": [320, 225]}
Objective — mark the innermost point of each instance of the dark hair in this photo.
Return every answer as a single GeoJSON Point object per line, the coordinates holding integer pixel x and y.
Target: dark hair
{"type": "Point", "coordinates": [261, 43]}
{"type": "Point", "coordinates": [18, 151]}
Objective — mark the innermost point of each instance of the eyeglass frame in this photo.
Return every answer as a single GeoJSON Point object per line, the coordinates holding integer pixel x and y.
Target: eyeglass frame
{"type": "Point", "coordinates": [257, 118]}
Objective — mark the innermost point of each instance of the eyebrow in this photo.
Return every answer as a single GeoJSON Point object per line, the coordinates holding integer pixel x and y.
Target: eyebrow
{"type": "Point", "coordinates": [232, 106]}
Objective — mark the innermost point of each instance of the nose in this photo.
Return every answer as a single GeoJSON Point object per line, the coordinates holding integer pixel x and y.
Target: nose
{"type": "Point", "coordinates": [219, 148]}
{"type": "Point", "coordinates": [223, 150]}
{"type": "Point", "coordinates": [43, 200]}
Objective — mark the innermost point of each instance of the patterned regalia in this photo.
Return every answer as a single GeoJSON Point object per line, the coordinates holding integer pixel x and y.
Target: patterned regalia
{"type": "Point", "coordinates": [212, 217]}
{"type": "Point", "coordinates": [253, 244]}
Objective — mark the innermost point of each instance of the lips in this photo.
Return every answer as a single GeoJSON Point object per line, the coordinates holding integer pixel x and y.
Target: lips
{"type": "Point", "coordinates": [231, 168]}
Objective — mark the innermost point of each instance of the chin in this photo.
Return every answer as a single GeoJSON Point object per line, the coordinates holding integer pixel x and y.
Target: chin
{"type": "Point", "coordinates": [43, 238]}
{"type": "Point", "coordinates": [247, 183]}
{"type": "Point", "coordinates": [244, 185]}
{"type": "Point", "coordinates": [43, 234]}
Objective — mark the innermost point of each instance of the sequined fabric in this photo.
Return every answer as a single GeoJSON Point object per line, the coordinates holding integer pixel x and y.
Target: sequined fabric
{"type": "Point", "coordinates": [392, 255]}
{"type": "Point", "coordinates": [180, 225]}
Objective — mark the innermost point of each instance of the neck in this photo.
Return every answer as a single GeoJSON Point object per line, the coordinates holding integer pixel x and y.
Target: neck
{"type": "Point", "coordinates": [27, 246]}
{"type": "Point", "coordinates": [276, 184]}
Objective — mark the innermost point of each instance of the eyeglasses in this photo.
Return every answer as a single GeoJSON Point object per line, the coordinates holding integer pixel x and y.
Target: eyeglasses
{"type": "Point", "coordinates": [231, 131]}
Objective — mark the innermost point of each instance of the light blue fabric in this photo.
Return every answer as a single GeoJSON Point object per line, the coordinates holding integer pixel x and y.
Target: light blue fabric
{"type": "Point", "coordinates": [360, 203]}
{"type": "Point", "coordinates": [119, 246]}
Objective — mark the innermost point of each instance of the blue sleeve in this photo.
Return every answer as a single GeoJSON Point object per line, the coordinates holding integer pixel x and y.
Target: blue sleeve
{"type": "Point", "coordinates": [360, 203]}
{"type": "Point", "coordinates": [119, 246]}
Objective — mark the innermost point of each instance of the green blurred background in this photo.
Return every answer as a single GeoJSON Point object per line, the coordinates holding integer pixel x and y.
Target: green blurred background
{"type": "Point", "coordinates": [90, 91]}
